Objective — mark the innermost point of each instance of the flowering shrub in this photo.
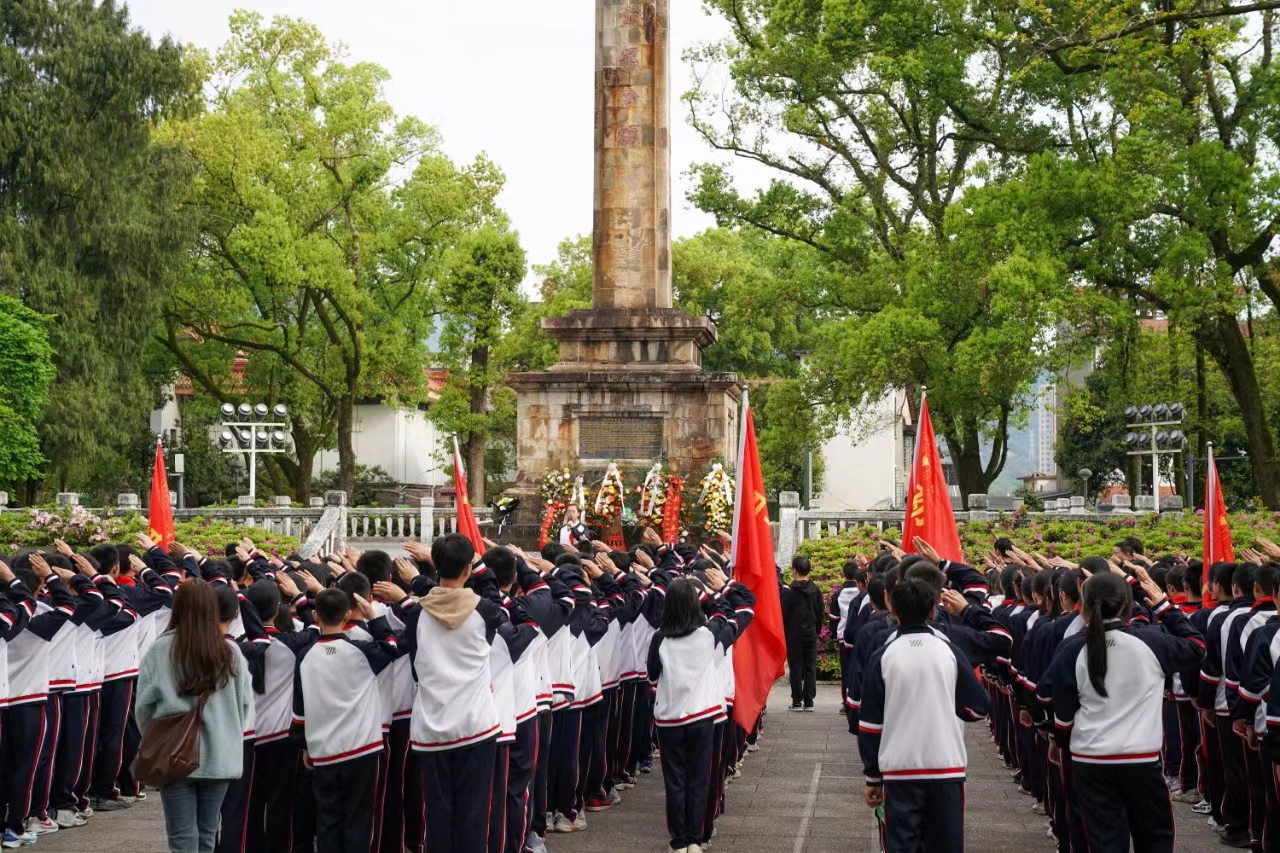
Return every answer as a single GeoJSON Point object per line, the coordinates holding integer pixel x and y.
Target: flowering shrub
{"type": "Point", "coordinates": [82, 529]}
{"type": "Point", "coordinates": [1049, 535]}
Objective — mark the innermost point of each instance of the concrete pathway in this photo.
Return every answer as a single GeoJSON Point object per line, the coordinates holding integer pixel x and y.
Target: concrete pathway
{"type": "Point", "coordinates": [801, 793]}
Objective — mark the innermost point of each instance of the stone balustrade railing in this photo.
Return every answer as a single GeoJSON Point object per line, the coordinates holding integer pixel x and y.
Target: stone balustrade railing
{"type": "Point", "coordinates": [324, 525]}
{"type": "Point", "coordinates": [796, 526]}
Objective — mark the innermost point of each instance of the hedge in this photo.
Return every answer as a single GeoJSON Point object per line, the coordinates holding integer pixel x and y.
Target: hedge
{"type": "Point", "coordinates": [1048, 535]}
{"type": "Point", "coordinates": [37, 528]}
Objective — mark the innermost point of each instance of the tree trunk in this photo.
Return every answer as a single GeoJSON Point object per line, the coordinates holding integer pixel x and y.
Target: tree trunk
{"type": "Point", "coordinates": [346, 446]}
{"type": "Point", "coordinates": [1222, 337]}
{"type": "Point", "coordinates": [476, 442]}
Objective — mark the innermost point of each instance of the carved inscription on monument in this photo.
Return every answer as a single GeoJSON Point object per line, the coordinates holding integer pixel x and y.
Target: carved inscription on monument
{"type": "Point", "coordinates": [619, 437]}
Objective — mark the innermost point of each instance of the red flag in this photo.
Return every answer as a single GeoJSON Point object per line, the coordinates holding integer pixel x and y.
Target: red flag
{"type": "Point", "coordinates": [1217, 530]}
{"type": "Point", "coordinates": [467, 525]}
{"type": "Point", "coordinates": [759, 653]}
{"type": "Point", "coordinates": [159, 510]}
{"type": "Point", "coordinates": [929, 513]}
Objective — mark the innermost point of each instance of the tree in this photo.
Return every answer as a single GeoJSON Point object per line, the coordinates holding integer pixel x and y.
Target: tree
{"type": "Point", "coordinates": [479, 296]}
{"type": "Point", "coordinates": [26, 362]}
{"type": "Point", "coordinates": [323, 223]}
{"type": "Point", "coordinates": [565, 285]}
{"type": "Point", "coordinates": [90, 230]}
{"type": "Point", "coordinates": [927, 282]}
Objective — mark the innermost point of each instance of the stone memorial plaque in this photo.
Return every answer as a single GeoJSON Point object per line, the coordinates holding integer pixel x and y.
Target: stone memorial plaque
{"type": "Point", "coordinates": [619, 437]}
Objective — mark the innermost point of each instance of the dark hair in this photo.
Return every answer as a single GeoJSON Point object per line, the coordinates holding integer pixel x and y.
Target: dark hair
{"type": "Point", "coordinates": [623, 560]}
{"type": "Point", "coordinates": [913, 601]}
{"type": "Point", "coordinates": [682, 609]}
{"type": "Point", "coordinates": [850, 569]}
{"type": "Point", "coordinates": [910, 560]}
{"type": "Point", "coordinates": [716, 545]}
{"type": "Point", "coordinates": [1028, 589]}
{"type": "Point", "coordinates": [107, 556]}
{"type": "Point", "coordinates": [875, 589]}
{"type": "Point", "coordinates": [1004, 545]}
{"type": "Point", "coordinates": [1106, 596]}
{"type": "Point", "coordinates": [928, 573]}
{"type": "Point", "coordinates": [1070, 588]}
{"type": "Point", "coordinates": [502, 563]}
{"type": "Point", "coordinates": [1266, 578]}
{"type": "Point", "coordinates": [1242, 577]}
{"type": "Point", "coordinates": [1193, 579]}
{"type": "Point", "coordinates": [585, 547]}
{"type": "Point", "coordinates": [1159, 575]}
{"type": "Point", "coordinates": [332, 607]}
{"type": "Point", "coordinates": [124, 552]}
{"type": "Point", "coordinates": [353, 585]}
{"type": "Point", "coordinates": [1176, 578]}
{"type": "Point", "coordinates": [21, 567]}
{"type": "Point", "coordinates": [452, 555]}
{"type": "Point", "coordinates": [1095, 565]}
{"type": "Point", "coordinates": [1220, 575]}
{"type": "Point", "coordinates": [228, 603]}
{"type": "Point", "coordinates": [882, 563]}
{"type": "Point", "coordinates": [265, 598]}
{"type": "Point", "coordinates": [1009, 581]}
{"type": "Point", "coordinates": [202, 659]}
{"type": "Point", "coordinates": [801, 566]}
{"type": "Point", "coordinates": [1042, 585]}
{"type": "Point", "coordinates": [375, 565]}
{"type": "Point", "coordinates": [1131, 545]}
{"type": "Point", "coordinates": [568, 558]}
{"type": "Point", "coordinates": [552, 550]}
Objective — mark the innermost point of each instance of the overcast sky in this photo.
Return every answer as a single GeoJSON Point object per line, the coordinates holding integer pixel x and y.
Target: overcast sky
{"type": "Point", "coordinates": [512, 78]}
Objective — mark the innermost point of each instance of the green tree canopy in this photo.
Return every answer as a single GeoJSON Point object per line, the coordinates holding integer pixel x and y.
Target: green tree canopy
{"type": "Point", "coordinates": [323, 220]}
{"type": "Point", "coordinates": [26, 363]}
{"type": "Point", "coordinates": [90, 230]}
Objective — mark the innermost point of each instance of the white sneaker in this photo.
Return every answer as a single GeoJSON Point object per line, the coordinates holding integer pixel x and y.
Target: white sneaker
{"type": "Point", "coordinates": [561, 823]}
{"type": "Point", "coordinates": [580, 822]}
{"type": "Point", "coordinates": [67, 818]}
{"type": "Point", "coordinates": [41, 826]}
{"type": "Point", "coordinates": [533, 843]}
{"type": "Point", "coordinates": [753, 747]}
{"type": "Point", "coordinates": [694, 848]}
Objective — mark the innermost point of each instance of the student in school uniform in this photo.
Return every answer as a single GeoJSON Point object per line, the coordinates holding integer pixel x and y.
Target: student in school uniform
{"type": "Point", "coordinates": [448, 634]}
{"type": "Point", "coordinates": [1249, 719]}
{"type": "Point", "coordinates": [845, 602]}
{"type": "Point", "coordinates": [1213, 689]}
{"type": "Point", "coordinates": [689, 698]}
{"type": "Point", "coordinates": [917, 682]}
{"type": "Point", "coordinates": [25, 725]}
{"type": "Point", "coordinates": [271, 655]}
{"type": "Point", "coordinates": [337, 720]}
{"type": "Point", "coordinates": [1202, 687]}
{"type": "Point", "coordinates": [1107, 685]}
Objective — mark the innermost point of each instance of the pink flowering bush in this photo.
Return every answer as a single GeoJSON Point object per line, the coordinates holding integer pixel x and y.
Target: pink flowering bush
{"type": "Point", "coordinates": [82, 529]}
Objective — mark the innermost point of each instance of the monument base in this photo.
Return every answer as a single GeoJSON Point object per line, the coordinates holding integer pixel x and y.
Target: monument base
{"type": "Point", "coordinates": [583, 420]}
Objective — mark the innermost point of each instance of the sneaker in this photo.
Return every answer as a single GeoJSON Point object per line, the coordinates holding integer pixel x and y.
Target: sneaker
{"type": "Point", "coordinates": [695, 848]}
{"type": "Point", "coordinates": [562, 824]}
{"type": "Point", "coordinates": [1038, 808]}
{"type": "Point", "coordinates": [111, 805]}
{"type": "Point", "coordinates": [646, 767]}
{"type": "Point", "coordinates": [795, 706]}
{"type": "Point", "coordinates": [580, 822]}
{"type": "Point", "coordinates": [1049, 833]}
{"type": "Point", "coordinates": [1026, 792]}
{"type": "Point", "coordinates": [1240, 841]}
{"type": "Point", "coordinates": [1203, 807]}
{"type": "Point", "coordinates": [614, 797]}
{"type": "Point", "coordinates": [599, 804]}
{"type": "Point", "coordinates": [86, 812]}
{"type": "Point", "coordinates": [753, 747]}
{"type": "Point", "coordinates": [808, 709]}
{"type": "Point", "coordinates": [11, 840]}
{"type": "Point", "coordinates": [624, 783]}
{"type": "Point", "coordinates": [68, 818]}
{"type": "Point", "coordinates": [533, 843]}
{"type": "Point", "coordinates": [41, 826]}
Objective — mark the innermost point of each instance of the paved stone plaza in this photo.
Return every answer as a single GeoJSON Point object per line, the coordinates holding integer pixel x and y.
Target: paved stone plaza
{"type": "Point", "coordinates": [801, 793]}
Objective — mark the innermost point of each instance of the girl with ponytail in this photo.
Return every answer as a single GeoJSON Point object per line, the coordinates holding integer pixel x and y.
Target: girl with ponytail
{"type": "Point", "coordinates": [1107, 687]}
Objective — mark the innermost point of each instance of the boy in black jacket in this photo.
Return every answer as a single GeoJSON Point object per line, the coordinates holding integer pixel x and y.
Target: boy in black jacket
{"type": "Point", "coordinates": [802, 613]}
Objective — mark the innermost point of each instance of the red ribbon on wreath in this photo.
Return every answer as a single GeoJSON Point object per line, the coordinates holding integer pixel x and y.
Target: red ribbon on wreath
{"type": "Point", "coordinates": [548, 522]}
{"type": "Point", "coordinates": [671, 510]}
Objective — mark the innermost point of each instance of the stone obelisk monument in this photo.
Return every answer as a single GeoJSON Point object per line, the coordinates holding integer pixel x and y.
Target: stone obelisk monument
{"type": "Point", "coordinates": [629, 386]}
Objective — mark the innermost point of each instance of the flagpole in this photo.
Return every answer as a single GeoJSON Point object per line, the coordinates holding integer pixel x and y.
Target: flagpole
{"type": "Point", "coordinates": [915, 456]}
{"type": "Point", "coordinates": [1210, 501]}
{"type": "Point", "coordinates": [737, 498]}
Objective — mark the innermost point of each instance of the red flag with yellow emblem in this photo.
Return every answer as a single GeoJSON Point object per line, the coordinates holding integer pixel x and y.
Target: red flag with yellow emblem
{"type": "Point", "coordinates": [759, 653]}
{"type": "Point", "coordinates": [467, 525]}
{"type": "Point", "coordinates": [159, 509]}
{"type": "Point", "coordinates": [929, 514]}
{"type": "Point", "coordinates": [1217, 530]}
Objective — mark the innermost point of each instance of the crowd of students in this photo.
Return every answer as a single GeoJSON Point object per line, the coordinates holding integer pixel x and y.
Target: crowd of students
{"type": "Point", "coordinates": [455, 701]}
{"type": "Point", "coordinates": [1114, 688]}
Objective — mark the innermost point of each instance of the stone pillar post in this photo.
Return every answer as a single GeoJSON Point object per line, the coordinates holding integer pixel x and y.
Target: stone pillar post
{"type": "Point", "coordinates": [788, 526]}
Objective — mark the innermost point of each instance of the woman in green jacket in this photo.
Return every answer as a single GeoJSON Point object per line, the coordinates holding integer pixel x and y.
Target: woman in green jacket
{"type": "Point", "coordinates": [189, 660]}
